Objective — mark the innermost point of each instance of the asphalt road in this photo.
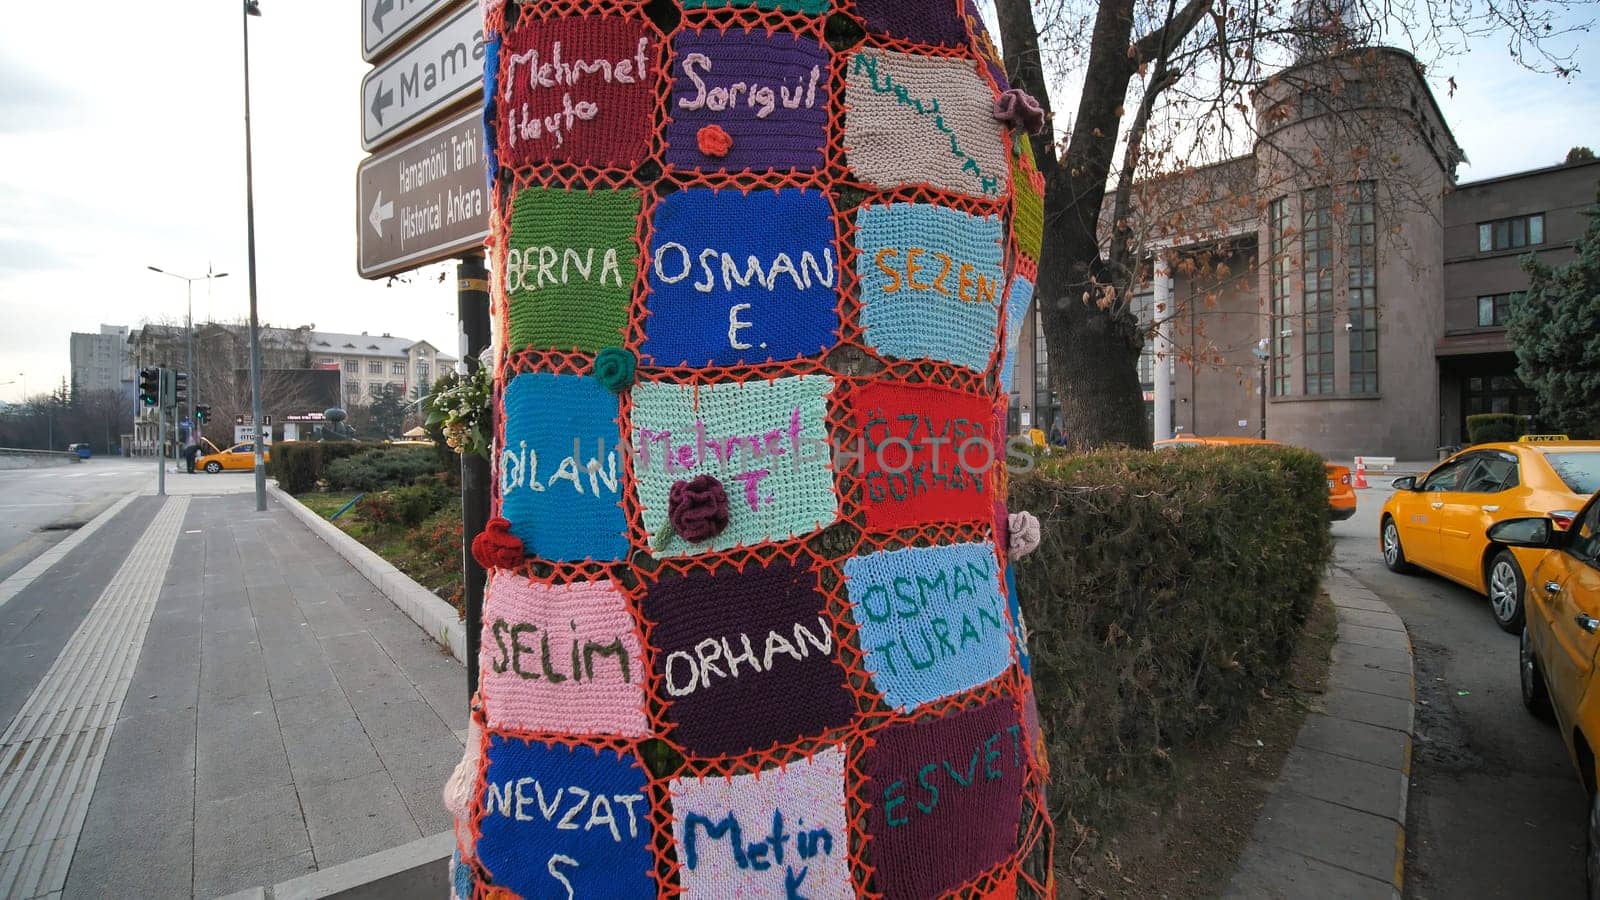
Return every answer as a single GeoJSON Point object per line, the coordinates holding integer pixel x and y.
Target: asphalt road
{"type": "Point", "coordinates": [1496, 809]}
{"type": "Point", "coordinates": [39, 507]}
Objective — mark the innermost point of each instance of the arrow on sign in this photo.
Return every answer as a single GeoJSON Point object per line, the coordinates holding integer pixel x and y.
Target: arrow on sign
{"type": "Point", "coordinates": [381, 100]}
{"type": "Point", "coordinates": [383, 8]}
{"type": "Point", "coordinates": [381, 213]}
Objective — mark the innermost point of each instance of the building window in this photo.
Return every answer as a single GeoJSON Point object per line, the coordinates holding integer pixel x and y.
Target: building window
{"type": "Point", "coordinates": [398, 368]}
{"type": "Point", "coordinates": [353, 366]}
{"type": "Point", "coordinates": [375, 389]}
{"type": "Point", "coordinates": [1509, 234]}
{"type": "Point", "coordinates": [1492, 309]}
{"type": "Point", "coordinates": [1362, 263]}
{"type": "Point", "coordinates": [353, 390]}
{"type": "Point", "coordinates": [374, 367]}
{"type": "Point", "coordinates": [1316, 313]}
{"type": "Point", "coordinates": [1278, 287]}
{"type": "Point", "coordinates": [423, 371]}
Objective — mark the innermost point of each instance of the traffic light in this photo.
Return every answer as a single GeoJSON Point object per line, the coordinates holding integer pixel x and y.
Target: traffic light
{"type": "Point", "coordinates": [202, 413]}
{"type": "Point", "coordinates": [149, 385]}
{"type": "Point", "coordinates": [180, 388]}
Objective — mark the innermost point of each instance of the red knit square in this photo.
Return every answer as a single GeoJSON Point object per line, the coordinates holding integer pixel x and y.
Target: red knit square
{"type": "Point", "coordinates": [927, 452]}
{"type": "Point", "coordinates": [579, 90]}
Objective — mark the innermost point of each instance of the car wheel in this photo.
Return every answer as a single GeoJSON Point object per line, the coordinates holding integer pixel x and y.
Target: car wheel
{"type": "Point", "coordinates": [1505, 591]}
{"type": "Point", "coordinates": [1534, 695]}
{"type": "Point", "coordinates": [1394, 556]}
{"type": "Point", "coordinates": [213, 467]}
{"type": "Point", "coordinates": [1591, 862]}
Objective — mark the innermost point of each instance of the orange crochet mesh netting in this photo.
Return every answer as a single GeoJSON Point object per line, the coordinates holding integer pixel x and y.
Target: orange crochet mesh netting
{"type": "Point", "coordinates": [753, 267]}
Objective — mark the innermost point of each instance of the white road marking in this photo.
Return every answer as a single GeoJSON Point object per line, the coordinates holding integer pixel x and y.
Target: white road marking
{"type": "Point", "coordinates": [51, 754]}
{"type": "Point", "coordinates": [24, 576]}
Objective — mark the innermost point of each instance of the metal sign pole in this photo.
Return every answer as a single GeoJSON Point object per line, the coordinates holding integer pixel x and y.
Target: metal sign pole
{"type": "Point", "coordinates": [161, 434]}
{"type": "Point", "coordinates": [472, 304]}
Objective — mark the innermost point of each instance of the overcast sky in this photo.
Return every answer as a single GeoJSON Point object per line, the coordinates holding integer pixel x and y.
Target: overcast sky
{"type": "Point", "coordinates": [121, 146]}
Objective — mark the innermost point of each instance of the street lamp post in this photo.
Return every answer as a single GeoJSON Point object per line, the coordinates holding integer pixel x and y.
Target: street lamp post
{"type": "Point", "coordinates": [253, 8]}
{"type": "Point", "coordinates": [188, 329]}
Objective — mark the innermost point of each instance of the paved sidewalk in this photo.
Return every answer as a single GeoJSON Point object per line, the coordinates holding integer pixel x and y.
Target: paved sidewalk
{"type": "Point", "coordinates": [273, 713]}
{"type": "Point", "coordinates": [1334, 826]}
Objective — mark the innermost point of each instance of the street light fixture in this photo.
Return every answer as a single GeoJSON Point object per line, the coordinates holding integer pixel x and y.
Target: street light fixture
{"type": "Point", "coordinates": [253, 8]}
{"type": "Point", "coordinates": [188, 328]}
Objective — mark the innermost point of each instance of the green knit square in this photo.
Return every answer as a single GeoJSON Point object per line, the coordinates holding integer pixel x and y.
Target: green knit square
{"type": "Point", "coordinates": [1028, 215]}
{"type": "Point", "coordinates": [570, 268]}
{"type": "Point", "coordinates": [810, 7]}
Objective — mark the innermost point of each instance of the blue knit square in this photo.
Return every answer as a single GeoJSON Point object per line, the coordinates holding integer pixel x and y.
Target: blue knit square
{"type": "Point", "coordinates": [564, 821]}
{"type": "Point", "coordinates": [1016, 310]}
{"type": "Point", "coordinates": [1014, 604]}
{"type": "Point", "coordinates": [931, 620]}
{"type": "Point", "coordinates": [930, 282]}
{"type": "Point", "coordinates": [741, 278]}
{"type": "Point", "coordinates": [561, 469]}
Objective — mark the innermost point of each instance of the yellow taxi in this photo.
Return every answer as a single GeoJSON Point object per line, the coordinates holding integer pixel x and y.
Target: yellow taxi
{"type": "Point", "coordinates": [1557, 661]}
{"type": "Point", "coordinates": [1440, 521]}
{"type": "Point", "coordinates": [1341, 493]}
{"type": "Point", "coordinates": [239, 456]}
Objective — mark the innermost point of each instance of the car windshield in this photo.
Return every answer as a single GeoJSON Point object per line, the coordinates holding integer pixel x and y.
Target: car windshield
{"type": "Point", "coordinates": [1581, 471]}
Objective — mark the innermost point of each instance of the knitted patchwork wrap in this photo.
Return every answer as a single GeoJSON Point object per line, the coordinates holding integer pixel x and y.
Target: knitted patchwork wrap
{"type": "Point", "coordinates": [768, 92]}
{"type": "Point", "coordinates": [1019, 298]}
{"type": "Point", "coordinates": [560, 658]}
{"type": "Point", "coordinates": [1028, 205]}
{"type": "Point", "coordinates": [932, 621]}
{"type": "Point", "coordinates": [927, 454]}
{"type": "Point", "coordinates": [941, 22]}
{"type": "Point", "coordinates": [811, 7]}
{"type": "Point", "coordinates": [930, 282]}
{"type": "Point", "coordinates": [579, 90]}
{"type": "Point", "coordinates": [937, 779]}
{"type": "Point", "coordinates": [764, 440]}
{"type": "Point", "coordinates": [554, 818]}
{"type": "Point", "coordinates": [748, 659]}
{"type": "Point", "coordinates": [985, 47]}
{"type": "Point", "coordinates": [724, 293]}
{"type": "Point", "coordinates": [923, 120]}
{"type": "Point", "coordinates": [570, 268]}
{"type": "Point", "coordinates": [775, 833]}
{"type": "Point", "coordinates": [561, 468]}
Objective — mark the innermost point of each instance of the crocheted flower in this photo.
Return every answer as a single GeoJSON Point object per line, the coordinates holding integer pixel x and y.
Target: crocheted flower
{"type": "Point", "coordinates": [1018, 109]}
{"type": "Point", "coordinates": [1025, 535]}
{"type": "Point", "coordinates": [698, 508]}
{"type": "Point", "coordinates": [497, 547]}
{"type": "Point", "coordinates": [614, 368]}
{"type": "Point", "coordinates": [713, 141]}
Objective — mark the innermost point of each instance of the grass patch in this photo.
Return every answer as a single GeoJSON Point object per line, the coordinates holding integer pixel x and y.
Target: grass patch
{"type": "Point", "coordinates": [325, 505]}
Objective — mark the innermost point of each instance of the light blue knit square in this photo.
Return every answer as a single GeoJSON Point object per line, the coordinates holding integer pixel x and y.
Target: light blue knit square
{"type": "Point", "coordinates": [932, 620]}
{"type": "Point", "coordinates": [1016, 310]}
{"type": "Point", "coordinates": [930, 282]}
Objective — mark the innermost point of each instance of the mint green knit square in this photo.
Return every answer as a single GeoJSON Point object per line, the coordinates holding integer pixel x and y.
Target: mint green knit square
{"type": "Point", "coordinates": [570, 267]}
{"type": "Point", "coordinates": [810, 7]}
{"type": "Point", "coordinates": [766, 441]}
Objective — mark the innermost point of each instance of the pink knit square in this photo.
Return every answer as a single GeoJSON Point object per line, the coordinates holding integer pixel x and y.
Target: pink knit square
{"type": "Point", "coordinates": [561, 659]}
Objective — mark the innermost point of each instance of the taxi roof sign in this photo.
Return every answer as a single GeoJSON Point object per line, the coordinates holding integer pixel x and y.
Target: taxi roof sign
{"type": "Point", "coordinates": [1542, 438]}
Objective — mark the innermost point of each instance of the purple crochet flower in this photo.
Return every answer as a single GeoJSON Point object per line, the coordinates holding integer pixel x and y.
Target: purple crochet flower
{"type": "Point", "coordinates": [1018, 109]}
{"type": "Point", "coordinates": [698, 508]}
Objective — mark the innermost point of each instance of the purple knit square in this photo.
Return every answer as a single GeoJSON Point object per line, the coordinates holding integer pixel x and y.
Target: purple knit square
{"type": "Point", "coordinates": [944, 799]}
{"type": "Point", "coordinates": [988, 51]}
{"type": "Point", "coordinates": [920, 21]}
{"type": "Point", "coordinates": [767, 92]}
{"type": "Point", "coordinates": [748, 659]}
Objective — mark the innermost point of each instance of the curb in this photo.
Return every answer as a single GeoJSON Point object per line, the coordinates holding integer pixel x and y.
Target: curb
{"type": "Point", "coordinates": [420, 869]}
{"type": "Point", "coordinates": [1335, 822]}
{"type": "Point", "coordinates": [431, 614]}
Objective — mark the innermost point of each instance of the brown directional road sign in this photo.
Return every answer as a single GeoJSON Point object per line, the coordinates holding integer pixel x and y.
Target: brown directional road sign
{"type": "Point", "coordinates": [422, 201]}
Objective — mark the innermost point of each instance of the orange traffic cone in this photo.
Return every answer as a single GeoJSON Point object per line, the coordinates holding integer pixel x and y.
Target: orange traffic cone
{"type": "Point", "coordinates": [1361, 473]}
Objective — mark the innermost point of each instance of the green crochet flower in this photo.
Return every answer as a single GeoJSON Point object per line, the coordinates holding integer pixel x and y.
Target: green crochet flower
{"type": "Point", "coordinates": [614, 368]}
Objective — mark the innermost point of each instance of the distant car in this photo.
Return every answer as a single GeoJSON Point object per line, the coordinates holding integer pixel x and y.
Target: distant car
{"type": "Point", "coordinates": [1341, 494]}
{"type": "Point", "coordinates": [1441, 521]}
{"type": "Point", "coordinates": [83, 450]}
{"type": "Point", "coordinates": [1556, 665]}
{"type": "Point", "coordinates": [239, 456]}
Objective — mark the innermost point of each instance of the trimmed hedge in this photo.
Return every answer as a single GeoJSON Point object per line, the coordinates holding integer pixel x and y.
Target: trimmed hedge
{"type": "Point", "coordinates": [381, 467]}
{"type": "Point", "coordinates": [1484, 428]}
{"type": "Point", "coordinates": [1169, 589]}
{"type": "Point", "coordinates": [298, 465]}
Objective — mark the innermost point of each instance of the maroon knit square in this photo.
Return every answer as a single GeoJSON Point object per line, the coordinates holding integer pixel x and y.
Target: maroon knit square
{"type": "Point", "coordinates": [940, 22]}
{"type": "Point", "coordinates": [944, 799]}
{"type": "Point", "coordinates": [747, 659]}
{"type": "Point", "coordinates": [578, 90]}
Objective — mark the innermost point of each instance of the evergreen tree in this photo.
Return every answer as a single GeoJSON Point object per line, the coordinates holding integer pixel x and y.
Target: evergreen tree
{"type": "Point", "coordinates": [1555, 330]}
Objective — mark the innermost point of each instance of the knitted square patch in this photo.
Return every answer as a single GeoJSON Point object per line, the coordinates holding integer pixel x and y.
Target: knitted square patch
{"type": "Point", "coordinates": [570, 266]}
{"type": "Point", "coordinates": [1019, 627]}
{"type": "Point", "coordinates": [766, 441]}
{"type": "Point", "coordinates": [810, 7]}
{"type": "Point", "coordinates": [930, 282]}
{"type": "Point", "coordinates": [927, 455]}
{"type": "Point", "coordinates": [917, 21]}
{"type": "Point", "coordinates": [563, 821]}
{"type": "Point", "coordinates": [578, 90]}
{"type": "Point", "coordinates": [931, 620]}
{"type": "Point", "coordinates": [930, 780]}
{"type": "Point", "coordinates": [561, 659]}
{"type": "Point", "coordinates": [1028, 203]}
{"type": "Point", "coordinates": [1017, 303]}
{"type": "Point", "coordinates": [748, 99]}
{"type": "Point", "coordinates": [922, 119]}
{"type": "Point", "coordinates": [993, 61]}
{"type": "Point", "coordinates": [778, 833]}
{"type": "Point", "coordinates": [561, 470]}
{"type": "Point", "coordinates": [747, 658]}
{"type": "Point", "coordinates": [723, 293]}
